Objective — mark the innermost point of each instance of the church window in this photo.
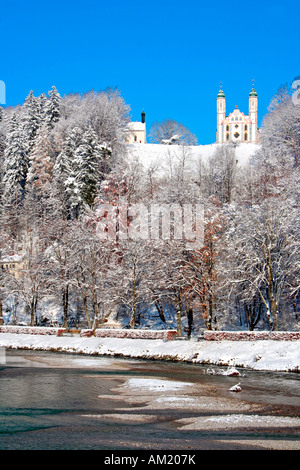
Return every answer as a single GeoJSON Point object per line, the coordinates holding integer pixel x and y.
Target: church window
{"type": "Point", "coordinates": [246, 136]}
{"type": "Point", "coordinates": [135, 138]}
{"type": "Point", "coordinates": [236, 118]}
{"type": "Point", "coordinates": [236, 135]}
{"type": "Point", "coordinates": [227, 128]}
{"type": "Point", "coordinates": [246, 127]}
{"type": "Point", "coordinates": [236, 126]}
{"type": "Point", "coordinates": [227, 136]}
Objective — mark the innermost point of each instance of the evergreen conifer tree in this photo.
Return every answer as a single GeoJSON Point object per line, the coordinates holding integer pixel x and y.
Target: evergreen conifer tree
{"type": "Point", "coordinates": [88, 157]}
{"type": "Point", "coordinates": [53, 107]}
{"type": "Point", "coordinates": [42, 107]}
{"type": "Point", "coordinates": [39, 175]}
{"type": "Point", "coordinates": [31, 119]}
{"type": "Point", "coordinates": [15, 161]}
{"type": "Point", "coordinates": [64, 171]}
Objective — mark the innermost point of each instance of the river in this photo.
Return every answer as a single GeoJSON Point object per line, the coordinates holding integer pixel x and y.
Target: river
{"type": "Point", "coordinates": [57, 401]}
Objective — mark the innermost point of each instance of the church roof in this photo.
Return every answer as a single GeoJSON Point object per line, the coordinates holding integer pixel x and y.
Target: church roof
{"type": "Point", "coordinates": [253, 92]}
{"type": "Point", "coordinates": [136, 126]}
{"type": "Point", "coordinates": [221, 93]}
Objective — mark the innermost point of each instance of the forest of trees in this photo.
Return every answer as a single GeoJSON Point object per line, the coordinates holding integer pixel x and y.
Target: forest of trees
{"type": "Point", "coordinates": [63, 158]}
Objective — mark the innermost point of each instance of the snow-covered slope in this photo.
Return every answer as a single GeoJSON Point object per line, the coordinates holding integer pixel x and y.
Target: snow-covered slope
{"type": "Point", "coordinates": [159, 156]}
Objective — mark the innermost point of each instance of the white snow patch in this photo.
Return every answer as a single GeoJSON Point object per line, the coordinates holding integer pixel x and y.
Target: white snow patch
{"type": "Point", "coordinates": [161, 156]}
{"type": "Point", "coordinates": [256, 420]}
{"type": "Point", "coordinates": [257, 355]}
{"type": "Point", "coordinates": [238, 421]}
{"type": "Point", "coordinates": [236, 388]}
{"type": "Point", "coordinates": [180, 401]}
{"type": "Point", "coordinates": [155, 385]}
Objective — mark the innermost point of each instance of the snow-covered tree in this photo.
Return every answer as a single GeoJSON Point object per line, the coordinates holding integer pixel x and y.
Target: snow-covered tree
{"type": "Point", "coordinates": [39, 175]}
{"type": "Point", "coordinates": [38, 199]}
{"type": "Point", "coordinates": [200, 265]}
{"type": "Point", "coordinates": [15, 161]}
{"type": "Point", "coordinates": [59, 236]}
{"type": "Point", "coordinates": [171, 132]}
{"type": "Point", "coordinates": [65, 171]}
{"type": "Point", "coordinates": [263, 245]}
{"type": "Point", "coordinates": [105, 112]}
{"type": "Point", "coordinates": [42, 105]}
{"type": "Point", "coordinates": [88, 161]}
{"type": "Point", "coordinates": [222, 171]}
{"type": "Point", "coordinates": [281, 128]}
{"type": "Point", "coordinates": [132, 285]}
{"type": "Point", "coordinates": [52, 107]}
{"type": "Point", "coordinates": [31, 117]}
{"type": "Point", "coordinates": [31, 283]}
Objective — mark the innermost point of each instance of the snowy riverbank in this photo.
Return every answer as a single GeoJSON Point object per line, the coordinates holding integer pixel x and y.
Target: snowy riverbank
{"type": "Point", "coordinates": [257, 355]}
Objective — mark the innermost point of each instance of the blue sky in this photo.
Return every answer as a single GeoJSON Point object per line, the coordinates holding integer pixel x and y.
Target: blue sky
{"type": "Point", "coordinates": [167, 57]}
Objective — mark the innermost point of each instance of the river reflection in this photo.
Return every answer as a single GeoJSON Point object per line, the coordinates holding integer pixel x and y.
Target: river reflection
{"type": "Point", "coordinates": [63, 401]}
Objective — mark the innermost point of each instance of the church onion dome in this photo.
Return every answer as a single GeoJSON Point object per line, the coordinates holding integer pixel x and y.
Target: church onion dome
{"type": "Point", "coordinates": [221, 94]}
{"type": "Point", "coordinates": [253, 92]}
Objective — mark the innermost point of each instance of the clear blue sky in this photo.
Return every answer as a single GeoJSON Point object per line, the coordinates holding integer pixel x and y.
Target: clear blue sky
{"type": "Point", "coordinates": [165, 56]}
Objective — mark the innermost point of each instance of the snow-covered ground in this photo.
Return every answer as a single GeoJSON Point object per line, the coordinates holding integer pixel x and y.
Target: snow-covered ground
{"type": "Point", "coordinates": [159, 157]}
{"type": "Point", "coordinates": [257, 355]}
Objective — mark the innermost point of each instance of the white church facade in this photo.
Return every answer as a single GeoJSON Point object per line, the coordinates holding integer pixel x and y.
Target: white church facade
{"type": "Point", "coordinates": [136, 131]}
{"type": "Point", "coordinates": [237, 127]}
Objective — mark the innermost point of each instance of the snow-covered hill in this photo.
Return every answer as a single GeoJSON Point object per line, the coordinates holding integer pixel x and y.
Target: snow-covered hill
{"type": "Point", "coordinates": [158, 157]}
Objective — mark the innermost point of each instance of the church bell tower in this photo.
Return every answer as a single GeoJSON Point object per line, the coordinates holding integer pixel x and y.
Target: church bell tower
{"type": "Point", "coordinates": [221, 114]}
{"type": "Point", "coordinates": [253, 105]}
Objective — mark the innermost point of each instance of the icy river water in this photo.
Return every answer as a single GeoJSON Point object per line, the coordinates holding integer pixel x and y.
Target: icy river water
{"type": "Point", "coordinates": [57, 401]}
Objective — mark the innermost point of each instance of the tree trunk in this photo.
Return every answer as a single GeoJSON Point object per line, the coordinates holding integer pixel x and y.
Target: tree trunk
{"type": "Point", "coordinates": [33, 307]}
{"type": "Point", "coordinates": [65, 305]}
{"type": "Point", "coordinates": [209, 312]}
{"type": "Point", "coordinates": [190, 321]}
{"type": "Point", "coordinates": [85, 306]}
{"type": "Point", "coordinates": [1, 307]}
{"type": "Point", "coordinates": [95, 302]}
{"type": "Point", "coordinates": [160, 310]}
{"type": "Point", "coordinates": [133, 310]}
{"type": "Point", "coordinates": [1, 313]}
{"type": "Point", "coordinates": [31, 314]}
{"type": "Point", "coordinates": [274, 313]}
{"type": "Point", "coordinates": [178, 301]}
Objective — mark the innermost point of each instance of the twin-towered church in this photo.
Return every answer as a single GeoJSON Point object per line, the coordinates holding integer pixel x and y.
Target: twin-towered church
{"type": "Point", "coordinates": [234, 128]}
